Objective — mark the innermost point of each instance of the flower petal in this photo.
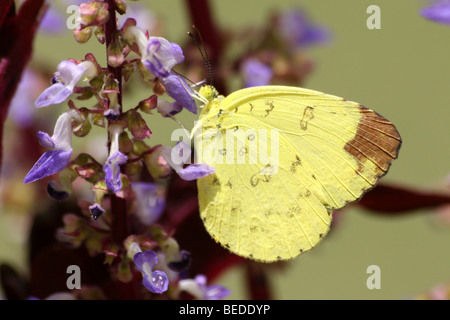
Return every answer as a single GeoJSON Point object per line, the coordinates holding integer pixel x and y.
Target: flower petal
{"type": "Point", "coordinates": [147, 257]}
{"type": "Point", "coordinates": [256, 73]}
{"type": "Point", "coordinates": [49, 163]}
{"type": "Point", "coordinates": [216, 292]}
{"type": "Point", "coordinates": [157, 282]}
{"type": "Point", "coordinates": [70, 73]}
{"type": "Point", "coordinates": [45, 140]}
{"type": "Point", "coordinates": [161, 56]}
{"type": "Point", "coordinates": [195, 171]}
{"type": "Point", "coordinates": [54, 94]}
{"type": "Point", "coordinates": [150, 203]}
{"type": "Point", "coordinates": [112, 171]}
{"type": "Point", "coordinates": [96, 211]}
{"type": "Point", "coordinates": [178, 89]}
{"type": "Point", "coordinates": [439, 12]}
{"type": "Point", "coordinates": [166, 108]}
{"type": "Point", "coordinates": [297, 30]}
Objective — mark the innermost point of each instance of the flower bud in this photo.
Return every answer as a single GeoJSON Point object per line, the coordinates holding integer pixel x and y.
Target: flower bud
{"type": "Point", "coordinates": [137, 125]}
{"type": "Point", "coordinates": [156, 165]}
{"type": "Point", "coordinates": [148, 104]}
{"type": "Point", "coordinates": [93, 13]}
{"type": "Point", "coordinates": [82, 35]}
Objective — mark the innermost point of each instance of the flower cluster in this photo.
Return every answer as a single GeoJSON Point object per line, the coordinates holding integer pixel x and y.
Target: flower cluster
{"type": "Point", "coordinates": [133, 170]}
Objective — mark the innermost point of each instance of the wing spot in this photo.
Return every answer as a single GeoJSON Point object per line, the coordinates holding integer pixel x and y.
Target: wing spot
{"type": "Point", "coordinates": [243, 151]}
{"type": "Point", "coordinates": [270, 105]}
{"type": "Point", "coordinates": [254, 179]}
{"type": "Point", "coordinates": [308, 115]}
{"type": "Point", "coordinates": [216, 181]}
{"type": "Point", "coordinates": [294, 164]}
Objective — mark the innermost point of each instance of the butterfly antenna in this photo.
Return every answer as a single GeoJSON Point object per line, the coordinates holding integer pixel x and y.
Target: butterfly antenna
{"type": "Point", "coordinates": [202, 49]}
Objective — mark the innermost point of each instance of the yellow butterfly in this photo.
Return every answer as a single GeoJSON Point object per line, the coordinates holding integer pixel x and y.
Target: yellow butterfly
{"type": "Point", "coordinates": [285, 158]}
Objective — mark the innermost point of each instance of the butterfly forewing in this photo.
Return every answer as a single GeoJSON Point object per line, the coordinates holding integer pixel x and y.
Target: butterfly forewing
{"type": "Point", "coordinates": [285, 158]}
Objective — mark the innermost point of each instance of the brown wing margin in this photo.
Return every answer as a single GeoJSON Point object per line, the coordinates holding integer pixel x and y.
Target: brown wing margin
{"type": "Point", "coordinates": [376, 139]}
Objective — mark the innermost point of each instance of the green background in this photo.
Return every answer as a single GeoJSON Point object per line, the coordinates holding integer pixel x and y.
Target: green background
{"type": "Point", "coordinates": [401, 71]}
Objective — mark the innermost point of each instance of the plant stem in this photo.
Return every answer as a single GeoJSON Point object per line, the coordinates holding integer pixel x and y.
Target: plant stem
{"type": "Point", "coordinates": [120, 224]}
{"type": "Point", "coordinates": [257, 283]}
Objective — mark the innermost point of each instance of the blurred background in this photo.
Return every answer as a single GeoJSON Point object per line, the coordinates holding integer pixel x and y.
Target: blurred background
{"type": "Point", "coordinates": [401, 70]}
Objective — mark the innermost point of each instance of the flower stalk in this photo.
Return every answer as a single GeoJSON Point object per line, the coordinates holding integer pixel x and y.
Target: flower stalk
{"type": "Point", "coordinates": [120, 225]}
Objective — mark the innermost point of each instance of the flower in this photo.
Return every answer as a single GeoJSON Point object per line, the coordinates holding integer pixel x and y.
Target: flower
{"type": "Point", "coordinates": [159, 56]}
{"type": "Point", "coordinates": [96, 210]}
{"type": "Point", "coordinates": [21, 108]}
{"type": "Point", "coordinates": [181, 154]}
{"type": "Point", "coordinates": [155, 281]}
{"type": "Point", "coordinates": [55, 160]}
{"type": "Point", "coordinates": [178, 89]}
{"type": "Point", "coordinates": [438, 12]}
{"type": "Point", "coordinates": [198, 288]}
{"type": "Point", "coordinates": [167, 109]}
{"type": "Point", "coordinates": [53, 21]}
{"type": "Point", "coordinates": [145, 19]}
{"type": "Point", "coordinates": [64, 81]}
{"type": "Point", "coordinates": [115, 159]}
{"type": "Point", "coordinates": [297, 30]}
{"type": "Point", "coordinates": [150, 202]}
{"type": "Point", "coordinates": [256, 73]}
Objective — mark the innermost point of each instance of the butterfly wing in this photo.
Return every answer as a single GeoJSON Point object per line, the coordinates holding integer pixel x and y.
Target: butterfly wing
{"type": "Point", "coordinates": [285, 158]}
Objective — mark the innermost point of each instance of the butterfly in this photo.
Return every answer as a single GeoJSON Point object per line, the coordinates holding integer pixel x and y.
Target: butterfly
{"type": "Point", "coordinates": [285, 159]}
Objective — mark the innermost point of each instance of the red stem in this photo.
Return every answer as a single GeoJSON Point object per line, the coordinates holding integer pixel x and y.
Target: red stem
{"type": "Point", "coordinates": [257, 282]}
{"type": "Point", "coordinates": [120, 223]}
{"type": "Point", "coordinates": [17, 33]}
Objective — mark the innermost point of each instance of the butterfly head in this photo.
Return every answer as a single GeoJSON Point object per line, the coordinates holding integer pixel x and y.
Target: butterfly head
{"type": "Point", "coordinates": [208, 92]}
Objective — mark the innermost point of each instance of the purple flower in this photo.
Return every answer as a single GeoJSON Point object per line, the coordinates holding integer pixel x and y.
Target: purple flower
{"type": "Point", "coordinates": [198, 288]}
{"type": "Point", "coordinates": [150, 202]}
{"type": "Point", "coordinates": [145, 19]}
{"type": "Point", "coordinates": [96, 211]}
{"type": "Point", "coordinates": [256, 73]}
{"type": "Point", "coordinates": [179, 155]}
{"type": "Point", "coordinates": [64, 81]}
{"type": "Point", "coordinates": [55, 160]}
{"type": "Point", "coordinates": [438, 12]}
{"type": "Point", "coordinates": [21, 109]}
{"type": "Point", "coordinates": [167, 109]}
{"type": "Point", "coordinates": [178, 89]}
{"type": "Point", "coordinates": [195, 171]}
{"type": "Point", "coordinates": [112, 165]}
{"type": "Point", "coordinates": [53, 21]}
{"type": "Point", "coordinates": [49, 163]}
{"type": "Point", "coordinates": [298, 31]}
{"type": "Point", "coordinates": [155, 281]}
{"type": "Point", "coordinates": [45, 140]}
{"type": "Point", "coordinates": [112, 171]}
{"type": "Point", "coordinates": [161, 56]}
